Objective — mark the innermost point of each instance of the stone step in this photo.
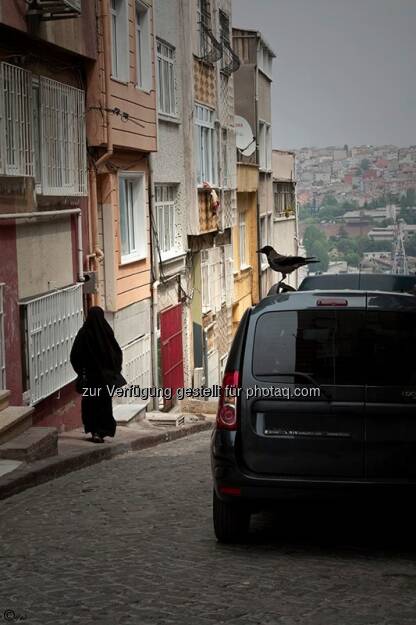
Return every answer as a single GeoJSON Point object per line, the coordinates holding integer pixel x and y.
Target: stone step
{"type": "Point", "coordinates": [124, 414]}
{"type": "Point", "coordinates": [165, 419]}
{"type": "Point", "coordinates": [4, 399]}
{"type": "Point", "coordinates": [34, 444]}
{"type": "Point", "coordinates": [13, 421]}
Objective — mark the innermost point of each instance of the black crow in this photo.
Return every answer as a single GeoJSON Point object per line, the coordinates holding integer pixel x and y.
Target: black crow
{"type": "Point", "coordinates": [285, 264]}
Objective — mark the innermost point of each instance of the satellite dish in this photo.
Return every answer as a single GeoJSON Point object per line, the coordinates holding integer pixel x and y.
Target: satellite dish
{"type": "Point", "coordinates": [245, 140]}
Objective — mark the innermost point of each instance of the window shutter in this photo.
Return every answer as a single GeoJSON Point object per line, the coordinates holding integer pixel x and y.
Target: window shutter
{"type": "Point", "coordinates": [229, 277]}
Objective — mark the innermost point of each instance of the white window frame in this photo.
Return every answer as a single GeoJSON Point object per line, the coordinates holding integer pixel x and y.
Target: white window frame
{"type": "Point", "coordinates": [165, 206]}
{"type": "Point", "coordinates": [51, 324]}
{"type": "Point", "coordinates": [133, 231]}
{"type": "Point", "coordinates": [265, 146]}
{"type": "Point", "coordinates": [120, 66]}
{"type": "Point", "coordinates": [16, 144]}
{"type": "Point", "coordinates": [242, 239]}
{"type": "Point", "coordinates": [206, 146]}
{"type": "Point", "coordinates": [166, 73]}
{"type": "Point", "coordinates": [143, 52]}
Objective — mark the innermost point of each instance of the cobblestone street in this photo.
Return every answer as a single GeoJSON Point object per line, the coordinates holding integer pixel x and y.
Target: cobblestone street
{"type": "Point", "coordinates": [130, 540]}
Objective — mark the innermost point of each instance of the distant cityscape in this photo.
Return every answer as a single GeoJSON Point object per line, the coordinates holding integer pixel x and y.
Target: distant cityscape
{"type": "Point", "coordinates": [359, 174]}
{"type": "Point", "coordinates": [358, 207]}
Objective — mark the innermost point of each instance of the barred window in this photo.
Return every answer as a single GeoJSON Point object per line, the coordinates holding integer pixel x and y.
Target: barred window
{"type": "Point", "coordinates": [51, 323]}
{"type": "Point", "coordinates": [16, 145]}
{"type": "Point", "coordinates": [166, 78]}
{"type": "Point", "coordinates": [165, 197]}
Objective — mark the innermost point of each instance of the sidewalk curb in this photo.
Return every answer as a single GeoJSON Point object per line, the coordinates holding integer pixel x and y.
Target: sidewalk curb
{"type": "Point", "coordinates": [41, 471]}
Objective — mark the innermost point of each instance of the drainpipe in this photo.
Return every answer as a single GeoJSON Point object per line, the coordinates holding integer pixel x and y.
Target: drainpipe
{"type": "Point", "coordinates": [256, 113]}
{"type": "Point", "coordinates": [57, 213]}
{"type": "Point", "coordinates": [155, 284]}
{"type": "Point", "coordinates": [97, 253]}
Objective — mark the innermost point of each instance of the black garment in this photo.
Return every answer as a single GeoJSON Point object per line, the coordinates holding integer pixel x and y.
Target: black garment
{"type": "Point", "coordinates": [96, 351]}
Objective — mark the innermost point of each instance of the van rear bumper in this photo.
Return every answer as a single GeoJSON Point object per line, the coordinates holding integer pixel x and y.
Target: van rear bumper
{"type": "Point", "coordinates": [228, 472]}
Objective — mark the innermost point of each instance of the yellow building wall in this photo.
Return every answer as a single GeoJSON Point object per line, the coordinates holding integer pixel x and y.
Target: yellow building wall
{"type": "Point", "coordinates": [246, 282]}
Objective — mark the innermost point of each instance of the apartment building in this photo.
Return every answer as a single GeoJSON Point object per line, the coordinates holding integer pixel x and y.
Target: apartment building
{"type": "Point", "coordinates": [285, 234]}
{"type": "Point", "coordinates": [45, 54]}
{"type": "Point", "coordinates": [121, 133]}
{"type": "Point", "coordinates": [213, 164]}
{"type": "Point", "coordinates": [252, 276]}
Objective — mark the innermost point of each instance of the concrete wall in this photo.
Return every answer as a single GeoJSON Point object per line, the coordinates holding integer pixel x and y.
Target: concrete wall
{"type": "Point", "coordinates": [283, 165]}
{"type": "Point", "coordinates": [44, 256]}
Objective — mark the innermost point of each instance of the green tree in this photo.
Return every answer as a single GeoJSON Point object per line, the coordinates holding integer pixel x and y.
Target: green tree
{"type": "Point", "coordinates": [316, 244]}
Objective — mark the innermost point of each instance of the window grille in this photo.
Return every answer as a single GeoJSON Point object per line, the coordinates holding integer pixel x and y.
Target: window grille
{"type": "Point", "coordinates": [63, 154]}
{"type": "Point", "coordinates": [16, 145]}
{"type": "Point", "coordinates": [51, 323]}
{"type": "Point", "coordinates": [2, 345]}
{"type": "Point", "coordinates": [136, 367]}
{"type": "Point", "coordinates": [212, 279]}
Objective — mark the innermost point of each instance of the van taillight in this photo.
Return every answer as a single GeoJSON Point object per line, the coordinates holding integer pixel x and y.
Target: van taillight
{"type": "Point", "coordinates": [227, 406]}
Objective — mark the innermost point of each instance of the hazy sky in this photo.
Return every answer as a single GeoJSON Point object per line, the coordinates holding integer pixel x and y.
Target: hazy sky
{"type": "Point", "coordinates": [345, 70]}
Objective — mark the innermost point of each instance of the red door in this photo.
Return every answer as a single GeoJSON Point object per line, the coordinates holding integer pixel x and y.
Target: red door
{"type": "Point", "coordinates": [171, 350]}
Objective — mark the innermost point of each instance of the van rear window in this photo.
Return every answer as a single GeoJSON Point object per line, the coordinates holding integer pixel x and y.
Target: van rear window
{"type": "Point", "coordinates": [392, 348]}
{"type": "Point", "coordinates": [327, 345]}
{"type": "Point", "coordinates": [338, 347]}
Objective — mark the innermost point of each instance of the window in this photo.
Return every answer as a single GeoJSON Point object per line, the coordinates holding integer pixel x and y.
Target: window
{"type": "Point", "coordinates": [327, 345]}
{"type": "Point", "coordinates": [165, 196]}
{"type": "Point", "coordinates": [265, 146]}
{"type": "Point", "coordinates": [166, 78]}
{"type": "Point", "coordinates": [63, 142]}
{"type": "Point", "coordinates": [143, 58]}
{"type": "Point", "coordinates": [133, 232]}
{"type": "Point", "coordinates": [224, 36]}
{"type": "Point", "coordinates": [16, 145]}
{"type": "Point", "coordinates": [242, 238]}
{"type": "Point", "coordinates": [284, 200]}
{"type": "Point", "coordinates": [119, 39]}
{"type": "Point", "coordinates": [43, 122]}
{"type": "Point", "coordinates": [51, 323]}
{"type": "Point", "coordinates": [203, 25]}
{"type": "Point", "coordinates": [206, 146]}
{"type": "Point", "coordinates": [391, 340]}
{"type": "Point", "coordinates": [211, 277]}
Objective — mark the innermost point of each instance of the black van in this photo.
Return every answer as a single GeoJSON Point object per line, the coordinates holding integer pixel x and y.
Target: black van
{"type": "Point", "coordinates": [318, 399]}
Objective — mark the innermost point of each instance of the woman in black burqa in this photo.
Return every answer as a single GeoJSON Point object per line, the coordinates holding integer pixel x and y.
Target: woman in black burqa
{"type": "Point", "coordinates": [97, 359]}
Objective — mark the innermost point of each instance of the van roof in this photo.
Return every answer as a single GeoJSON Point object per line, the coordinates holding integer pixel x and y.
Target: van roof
{"type": "Point", "coordinates": [390, 283]}
{"type": "Point", "coordinates": [301, 300]}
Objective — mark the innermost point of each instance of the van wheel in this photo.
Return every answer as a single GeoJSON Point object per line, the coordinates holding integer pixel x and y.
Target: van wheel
{"type": "Point", "coordinates": [231, 521]}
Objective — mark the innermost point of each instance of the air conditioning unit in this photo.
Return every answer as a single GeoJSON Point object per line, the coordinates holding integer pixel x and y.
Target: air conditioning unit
{"type": "Point", "coordinates": [54, 9]}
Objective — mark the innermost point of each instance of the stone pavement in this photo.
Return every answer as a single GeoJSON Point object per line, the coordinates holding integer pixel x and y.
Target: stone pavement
{"type": "Point", "coordinates": [130, 542]}
{"type": "Point", "coordinates": [75, 450]}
